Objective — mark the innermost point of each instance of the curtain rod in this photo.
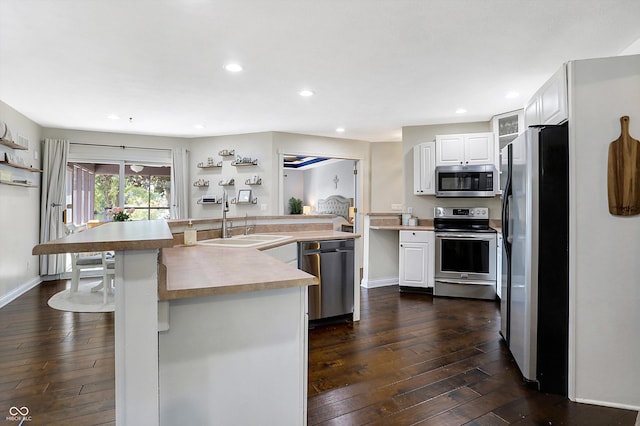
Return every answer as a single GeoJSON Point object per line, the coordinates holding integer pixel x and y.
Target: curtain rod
{"type": "Point", "coordinates": [119, 146]}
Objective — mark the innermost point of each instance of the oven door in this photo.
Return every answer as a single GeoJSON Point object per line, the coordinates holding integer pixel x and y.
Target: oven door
{"type": "Point", "coordinates": [466, 257]}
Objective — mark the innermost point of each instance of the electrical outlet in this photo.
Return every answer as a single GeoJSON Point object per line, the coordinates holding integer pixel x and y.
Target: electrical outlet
{"type": "Point", "coordinates": [263, 207]}
{"type": "Point", "coordinates": [410, 210]}
{"type": "Point", "coordinates": [396, 207]}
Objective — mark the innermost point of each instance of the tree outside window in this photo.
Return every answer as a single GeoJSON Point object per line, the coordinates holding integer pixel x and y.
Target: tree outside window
{"type": "Point", "coordinates": [95, 189]}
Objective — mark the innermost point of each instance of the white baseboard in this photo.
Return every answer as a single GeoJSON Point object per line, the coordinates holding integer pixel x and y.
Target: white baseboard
{"type": "Point", "coordinates": [18, 291]}
{"type": "Point", "coordinates": [382, 282]}
{"type": "Point", "coordinates": [609, 404]}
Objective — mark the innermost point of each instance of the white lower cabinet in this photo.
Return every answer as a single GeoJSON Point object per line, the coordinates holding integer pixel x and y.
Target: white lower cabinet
{"type": "Point", "coordinates": [417, 260]}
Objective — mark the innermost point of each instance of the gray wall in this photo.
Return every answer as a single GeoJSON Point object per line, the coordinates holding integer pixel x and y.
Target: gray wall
{"type": "Point", "coordinates": [386, 175]}
{"type": "Point", "coordinates": [423, 204]}
{"type": "Point", "coordinates": [20, 212]}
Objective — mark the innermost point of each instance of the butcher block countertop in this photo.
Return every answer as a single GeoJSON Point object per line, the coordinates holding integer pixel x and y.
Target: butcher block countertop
{"type": "Point", "coordinates": [200, 270]}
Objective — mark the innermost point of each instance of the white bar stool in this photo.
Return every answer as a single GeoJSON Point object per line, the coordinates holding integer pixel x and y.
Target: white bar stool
{"type": "Point", "coordinates": [80, 262]}
{"type": "Point", "coordinates": [108, 275]}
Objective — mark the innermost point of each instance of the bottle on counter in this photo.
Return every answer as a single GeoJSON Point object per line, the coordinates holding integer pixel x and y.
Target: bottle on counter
{"type": "Point", "coordinates": [190, 235]}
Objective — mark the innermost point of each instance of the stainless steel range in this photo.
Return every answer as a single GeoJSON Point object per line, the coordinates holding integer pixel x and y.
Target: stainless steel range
{"type": "Point", "coordinates": [465, 253]}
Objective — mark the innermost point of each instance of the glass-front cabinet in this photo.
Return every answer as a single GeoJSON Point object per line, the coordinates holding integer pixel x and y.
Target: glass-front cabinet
{"type": "Point", "coordinates": [508, 126]}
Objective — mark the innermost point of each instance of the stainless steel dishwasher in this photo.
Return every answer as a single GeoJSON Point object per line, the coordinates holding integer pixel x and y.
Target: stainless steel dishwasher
{"type": "Point", "coordinates": [332, 262]}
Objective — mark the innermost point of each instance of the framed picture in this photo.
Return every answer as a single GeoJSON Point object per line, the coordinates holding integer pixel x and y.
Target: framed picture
{"type": "Point", "coordinates": [244, 196]}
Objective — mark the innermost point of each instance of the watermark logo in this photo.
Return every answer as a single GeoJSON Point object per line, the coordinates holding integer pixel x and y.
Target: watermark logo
{"type": "Point", "coordinates": [18, 414]}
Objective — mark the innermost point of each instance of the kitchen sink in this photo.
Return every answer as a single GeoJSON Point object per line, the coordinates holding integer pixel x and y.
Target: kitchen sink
{"type": "Point", "coordinates": [251, 240]}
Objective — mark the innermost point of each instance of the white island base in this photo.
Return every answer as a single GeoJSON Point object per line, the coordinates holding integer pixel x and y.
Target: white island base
{"type": "Point", "coordinates": [235, 359]}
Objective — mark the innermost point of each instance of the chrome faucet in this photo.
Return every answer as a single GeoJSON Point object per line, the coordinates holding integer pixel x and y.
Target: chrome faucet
{"type": "Point", "coordinates": [247, 228]}
{"type": "Point", "coordinates": [225, 209]}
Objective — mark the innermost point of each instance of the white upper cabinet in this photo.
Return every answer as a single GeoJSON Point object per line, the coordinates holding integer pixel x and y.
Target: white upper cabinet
{"type": "Point", "coordinates": [424, 165]}
{"type": "Point", "coordinates": [465, 149]}
{"type": "Point", "coordinates": [549, 104]}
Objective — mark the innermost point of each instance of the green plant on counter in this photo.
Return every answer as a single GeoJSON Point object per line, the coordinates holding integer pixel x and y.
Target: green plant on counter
{"type": "Point", "coordinates": [295, 205]}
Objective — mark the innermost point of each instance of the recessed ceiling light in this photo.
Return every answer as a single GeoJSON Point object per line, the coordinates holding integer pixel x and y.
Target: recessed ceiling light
{"type": "Point", "coordinates": [232, 67]}
{"type": "Point", "coordinates": [340, 130]}
{"type": "Point", "coordinates": [461, 111]}
{"type": "Point", "coordinates": [306, 93]}
{"type": "Point", "coordinates": [199, 126]}
{"type": "Point", "coordinates": [113, 117]}
{"type": "Point", "coordinates": [512, 95]}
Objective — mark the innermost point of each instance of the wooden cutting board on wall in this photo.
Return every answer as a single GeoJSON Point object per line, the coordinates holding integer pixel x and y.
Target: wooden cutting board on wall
{"type": "Point", "coordinates": [623, 174]}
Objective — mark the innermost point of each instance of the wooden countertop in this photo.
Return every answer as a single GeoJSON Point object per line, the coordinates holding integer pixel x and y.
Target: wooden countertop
{"type": "Point", "coordinates": [200, 270]}
{"type": "Point", "coordinates": [117, 236]}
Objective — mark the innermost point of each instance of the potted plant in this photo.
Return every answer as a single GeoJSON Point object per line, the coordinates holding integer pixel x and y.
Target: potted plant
{"type": "Point", "coordinates": [295, 205]}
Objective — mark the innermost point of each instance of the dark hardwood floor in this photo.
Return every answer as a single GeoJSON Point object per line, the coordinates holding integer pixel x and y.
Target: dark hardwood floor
{"type": "Point", "coordinates": [411, 359]}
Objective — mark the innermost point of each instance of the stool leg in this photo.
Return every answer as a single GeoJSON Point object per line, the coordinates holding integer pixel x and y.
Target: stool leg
{"type": "Point", "coordinates": [75, 278]}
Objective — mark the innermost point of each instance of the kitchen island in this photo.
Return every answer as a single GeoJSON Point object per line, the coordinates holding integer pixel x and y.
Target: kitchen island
{"type": "Point", "coordinates": [136, 308]}
{"type": "Point", "coordinates": [226, 343]}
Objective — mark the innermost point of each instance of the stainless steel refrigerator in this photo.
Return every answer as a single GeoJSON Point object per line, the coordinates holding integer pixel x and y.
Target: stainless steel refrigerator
{"type": "Point", "coordinates": [535, 281]}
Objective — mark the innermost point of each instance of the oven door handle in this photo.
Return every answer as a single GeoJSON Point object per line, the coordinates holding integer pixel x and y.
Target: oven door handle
{"type": "Point", "coordinates": [478, 236]}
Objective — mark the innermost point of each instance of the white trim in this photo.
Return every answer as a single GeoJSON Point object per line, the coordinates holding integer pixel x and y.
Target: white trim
{"type": "Point", "coordinates": [18, 291]}
{"type": "Point", "coordinates": [79, 152]}
{"type": "Point", "coordinates": [382, 282]}
{"type": "Point", "coordinates": [573, 243]}
{"type": "Point", "coordinates": [608, 404]}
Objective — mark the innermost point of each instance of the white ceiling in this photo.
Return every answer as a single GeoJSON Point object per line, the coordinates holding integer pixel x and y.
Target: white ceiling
{"type": "Point", "coordinates": [374, 65]}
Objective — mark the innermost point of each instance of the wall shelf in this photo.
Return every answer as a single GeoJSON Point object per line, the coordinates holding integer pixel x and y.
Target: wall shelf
{"type": "Point", "coordinates": [210, 200]}
{"type": "Point", "coordinates": [253, 201]}
{"type": "Point", "coordinates": [12, 144]}
{"type": "Point", "coordinates": [209, 166]}
{"type": "Point", "coordinates": [228, 182]}
{"type": "Point", "coordinates": [20, 166]}
{"type": "Point", "coordinates": [253, 183]}
{"type": "Point", "coordinates": [244, 163]}
{"type": "Point", "coordinates": [26, 185]}
{"type": "Point", "coordinates": [201, 183]}
{"type": "Point", "coordinates": [227, 153]}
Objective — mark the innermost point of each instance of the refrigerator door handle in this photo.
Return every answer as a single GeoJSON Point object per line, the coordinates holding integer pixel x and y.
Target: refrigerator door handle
{"type": "Point", "coordinates": [506, 203]}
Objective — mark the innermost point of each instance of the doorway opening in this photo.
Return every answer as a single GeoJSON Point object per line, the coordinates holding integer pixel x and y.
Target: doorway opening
{"type": "Point", "coordinates": [324, 185]}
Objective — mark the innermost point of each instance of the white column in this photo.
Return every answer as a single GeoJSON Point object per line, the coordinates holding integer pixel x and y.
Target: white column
{"type": "Point", "coordinates": [136, 337]}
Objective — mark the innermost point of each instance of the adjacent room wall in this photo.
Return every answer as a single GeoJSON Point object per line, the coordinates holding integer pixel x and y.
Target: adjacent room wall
{"type": "Point", "coordinates": [319, 182]}
{"type": "Point", "coordinates": [20, 212]}
{"type": "Point", "coordinates": [293, 186]}
{"type": "Point", "coordinates": [423, 204]}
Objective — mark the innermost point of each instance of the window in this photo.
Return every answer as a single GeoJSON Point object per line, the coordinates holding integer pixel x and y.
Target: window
{"type": "Point", "coordinates": [148, 191]}
{"type": "Point", "coordinates": [94, 188]}
{"type": "Point", "coordinates": [80, 193]}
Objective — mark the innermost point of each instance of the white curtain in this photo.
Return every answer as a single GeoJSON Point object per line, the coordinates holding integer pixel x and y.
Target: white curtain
{"type": "Point", "coordinates": [180, 184]}
{"type": "Point", "coordinates": [54, 161]}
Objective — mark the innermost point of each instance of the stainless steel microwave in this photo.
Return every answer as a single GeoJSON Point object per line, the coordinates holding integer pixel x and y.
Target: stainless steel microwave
{"type": "Point", "coordinates": [465, 181]}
